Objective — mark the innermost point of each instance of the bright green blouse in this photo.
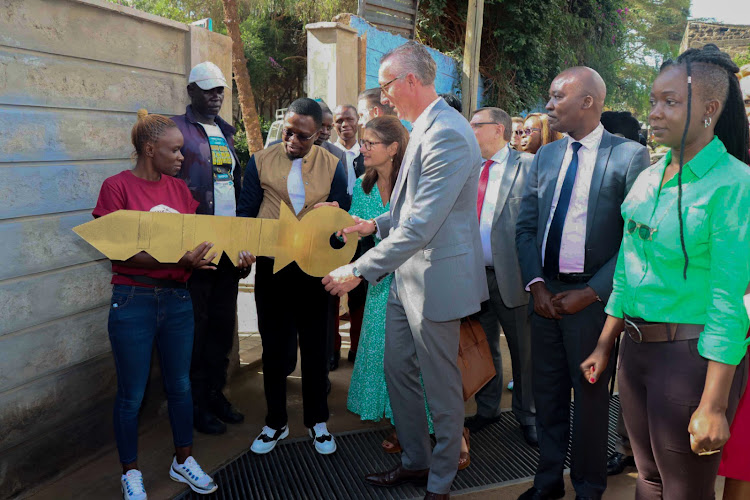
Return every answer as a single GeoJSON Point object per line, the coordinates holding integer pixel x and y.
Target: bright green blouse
{"type": "Point", "coordinates": [648, 281]}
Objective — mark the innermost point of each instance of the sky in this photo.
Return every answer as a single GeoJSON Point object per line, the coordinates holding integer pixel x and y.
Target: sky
{"type": "Point", "coordinates": [724, 11]}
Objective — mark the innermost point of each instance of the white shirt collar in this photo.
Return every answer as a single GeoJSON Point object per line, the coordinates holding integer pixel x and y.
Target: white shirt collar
{"type": "Point", "coordinates": [591, 141]}
{"type": "Point", "coordinates": [354, 149]}
{"type": "Point", "coordinates": [501, 155]}
{"type": "Point", "coordinates": [423, 116]}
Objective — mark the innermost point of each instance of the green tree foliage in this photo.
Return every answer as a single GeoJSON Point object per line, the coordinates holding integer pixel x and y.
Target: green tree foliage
{"type": "Point", "coordinates": [525, 44]}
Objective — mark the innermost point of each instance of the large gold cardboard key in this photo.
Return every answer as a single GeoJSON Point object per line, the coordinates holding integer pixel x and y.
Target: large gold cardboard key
{"type": "Point", "coordinates": [166, 237]}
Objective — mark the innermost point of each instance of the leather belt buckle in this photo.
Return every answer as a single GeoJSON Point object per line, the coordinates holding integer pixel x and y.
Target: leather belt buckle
{"type": "Point", "coordinates": [629, 327]}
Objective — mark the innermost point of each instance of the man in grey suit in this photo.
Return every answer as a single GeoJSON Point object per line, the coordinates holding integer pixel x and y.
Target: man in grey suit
{"type": "Point", "coordinates": [431, 242]}
{"type": "Point", "coordinates": [501, 185]}
{"type": "Point", "coordinates": [568, 235]}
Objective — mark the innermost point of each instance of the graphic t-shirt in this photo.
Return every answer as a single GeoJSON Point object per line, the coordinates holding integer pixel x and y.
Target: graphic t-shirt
{"type": "Point", "coordinates": [125, 191]}
{"type": "Point", "coordinates": [222, 162]}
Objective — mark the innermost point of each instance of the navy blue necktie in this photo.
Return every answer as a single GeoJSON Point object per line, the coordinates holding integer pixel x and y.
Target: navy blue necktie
{"type": "Point", "coordinates": [554, 237]}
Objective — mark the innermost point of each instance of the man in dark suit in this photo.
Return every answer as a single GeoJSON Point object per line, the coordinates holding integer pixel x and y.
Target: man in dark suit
{"type": "Point", "coordinates": [501, 185]}
{"type": "Point", "coordinates": [568, 236]}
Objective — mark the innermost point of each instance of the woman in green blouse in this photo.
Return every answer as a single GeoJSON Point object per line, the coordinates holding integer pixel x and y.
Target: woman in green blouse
{"type": "Point", "coordinates": [682, 271]}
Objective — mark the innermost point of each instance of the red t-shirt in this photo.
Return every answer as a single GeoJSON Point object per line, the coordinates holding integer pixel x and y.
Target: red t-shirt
{"type": "Point", "coordinates": [125, 191]}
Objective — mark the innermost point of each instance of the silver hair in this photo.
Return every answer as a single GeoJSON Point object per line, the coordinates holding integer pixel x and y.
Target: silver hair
{"type": "Point", "coordinates": [413, 57]}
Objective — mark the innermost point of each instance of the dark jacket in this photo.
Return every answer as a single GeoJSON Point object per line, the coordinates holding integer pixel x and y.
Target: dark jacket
{"type": "Point", "coordinates": [197, 170]}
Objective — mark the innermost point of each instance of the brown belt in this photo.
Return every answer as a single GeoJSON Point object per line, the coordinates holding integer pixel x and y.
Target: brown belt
{"type": "Point", "coordinates": [641, 331]}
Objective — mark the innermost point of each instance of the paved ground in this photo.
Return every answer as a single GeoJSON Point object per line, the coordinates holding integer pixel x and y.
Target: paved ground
{"type": "Point", "coordinates": [99, 479]}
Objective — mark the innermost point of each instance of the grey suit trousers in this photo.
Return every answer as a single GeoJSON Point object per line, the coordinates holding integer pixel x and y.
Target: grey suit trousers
{"type": "Point", "coordinates": [515, 325]}
{"type": "Point", "coordinates": [414, 343]}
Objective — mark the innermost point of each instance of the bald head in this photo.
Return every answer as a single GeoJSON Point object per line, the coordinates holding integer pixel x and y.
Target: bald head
{"type": "Point", "coordinates": [588, 83]}
{"type": "Point", "coordinates": [576, 101]}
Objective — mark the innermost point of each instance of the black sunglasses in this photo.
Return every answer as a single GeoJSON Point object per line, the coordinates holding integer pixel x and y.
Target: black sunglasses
{"type": "Point", "coordinates": [645, 232]}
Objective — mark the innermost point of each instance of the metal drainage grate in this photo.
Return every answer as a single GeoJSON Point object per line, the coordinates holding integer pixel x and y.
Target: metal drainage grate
{"type": "Point", "coordinates": [293, 470]}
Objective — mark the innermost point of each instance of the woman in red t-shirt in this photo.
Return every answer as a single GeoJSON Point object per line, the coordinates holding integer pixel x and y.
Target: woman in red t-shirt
{"type": "Point", "coordinates": [150, 302]}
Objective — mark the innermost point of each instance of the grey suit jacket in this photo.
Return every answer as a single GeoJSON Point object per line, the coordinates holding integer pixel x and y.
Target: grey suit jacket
{"type": "Point", "coordinates": [618, 163]}
{"type": "Point", "coordinates": [503, 234]}
{"type": "Point", "coordinates": [431, 234]}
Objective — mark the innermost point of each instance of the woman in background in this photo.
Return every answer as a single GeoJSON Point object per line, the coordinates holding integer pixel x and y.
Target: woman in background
{"type": "Point", "coordinates": [537, 133]}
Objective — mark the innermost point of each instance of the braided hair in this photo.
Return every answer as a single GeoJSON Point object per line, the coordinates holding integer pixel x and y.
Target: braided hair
{"type": "Point", "coordinates": [148, 128]}
{"type": "Point", "coordinates": [715, 78]}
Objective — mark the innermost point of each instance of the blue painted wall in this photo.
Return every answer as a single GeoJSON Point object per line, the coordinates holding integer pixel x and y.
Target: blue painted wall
{"type": "Point", "coordinates": [379, 42]}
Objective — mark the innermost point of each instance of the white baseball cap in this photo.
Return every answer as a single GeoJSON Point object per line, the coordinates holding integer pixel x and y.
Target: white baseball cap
{"type": "Point", "coordinates": [207, 76]}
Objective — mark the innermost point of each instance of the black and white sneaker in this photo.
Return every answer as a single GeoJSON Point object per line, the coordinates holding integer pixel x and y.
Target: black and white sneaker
{"type": "Point", "coordinates": [324, 442]}
{"type": "Point", "coordinates": [191, 474]}
{"type": "Point", "coordinates": [267, 439]}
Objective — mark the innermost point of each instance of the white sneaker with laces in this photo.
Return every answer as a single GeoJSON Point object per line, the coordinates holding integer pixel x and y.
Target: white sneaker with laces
{"type": "Point", "coordinates": [132, 487]}
{"type": "Point", "coordinates": [191, 474]}
{"type": "Point", "coordinates": [324, 442]}
{"type": "Point", "coordinates": [267, 439]}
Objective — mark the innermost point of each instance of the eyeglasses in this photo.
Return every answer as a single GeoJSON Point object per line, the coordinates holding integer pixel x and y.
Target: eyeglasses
{"type": "Point", "coordinates": [529, 131]}
{"type": "Point", "coordinates": [384, 87]}
{"type": "Point", "coordinates": [645, 232]}
{"type": "Point", "coordinates": [518, 131]}
{"type": "Point", "coordinates": [288, 134]}
{"type": "Point", "coordinates": [476, 125]}
{"type": "Point", "coordinates": [369, 144]}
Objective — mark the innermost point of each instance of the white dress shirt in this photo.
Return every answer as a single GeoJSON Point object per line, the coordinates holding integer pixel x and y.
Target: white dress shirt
{"type": "Point", "coordinates": [295, 186]}
{"type": "Point", "coordinates": [351, 155]}
{"type": "Point", "coordinates": [417, 125]}
{"type": "Point", "coordinates": [573, 241]}
{"type": "Point", "coordinates": [497, 169]}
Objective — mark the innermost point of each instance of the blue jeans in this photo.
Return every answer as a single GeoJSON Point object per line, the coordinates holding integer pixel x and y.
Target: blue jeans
{"type": "Point", "coordinates": [137, 316]}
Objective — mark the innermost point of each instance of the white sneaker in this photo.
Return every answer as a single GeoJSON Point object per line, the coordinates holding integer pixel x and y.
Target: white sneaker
{"type": "Point", "coordinates": [267, 439]}
{"type": "Point", "coordinates": [324, 442]}
{"type": "Point", "coordinates": [191, 474]}
{"type": "Point", "coordinates": [132, 487]}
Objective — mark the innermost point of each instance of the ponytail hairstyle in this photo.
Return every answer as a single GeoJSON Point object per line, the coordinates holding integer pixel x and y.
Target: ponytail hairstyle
{"type": "Point", "coordinates": [389, 130]}
{"type": "Point", "coordinates": [148, 128]}
{"type": "Point", "coordinates": [714, 73]}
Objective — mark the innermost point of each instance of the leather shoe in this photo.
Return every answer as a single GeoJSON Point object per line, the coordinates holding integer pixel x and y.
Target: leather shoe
{"type": "Point", "coordinates": [617, 463]}
{"type": "Point", "coordinates": [529, 435]}
{"type": "Point", "coordinates": [223, 409]}
{"type": "Point", "coordinates": [398, 475]}
{"type": "Point", "coordinates": [333, 361]}
{"type": "Point", "coordinates": [206, 422]}
{"type": "Point", "coordinates": [476, 423]}
{"type": "Point", "coordinates": [437, 496]}
{"type": "Point", "coordinates": [535, 494]}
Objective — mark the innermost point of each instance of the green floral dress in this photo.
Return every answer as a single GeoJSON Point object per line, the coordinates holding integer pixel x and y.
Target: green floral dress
{"type": "Point", "coordinates": [368, 395]}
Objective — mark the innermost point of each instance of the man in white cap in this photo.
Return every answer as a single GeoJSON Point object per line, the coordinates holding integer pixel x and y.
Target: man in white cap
{"type": "Point", "coordinates": [212, 172]}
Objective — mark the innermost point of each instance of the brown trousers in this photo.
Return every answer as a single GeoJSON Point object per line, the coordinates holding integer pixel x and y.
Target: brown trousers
{"type": "Point", "coordinates": [661, 384]}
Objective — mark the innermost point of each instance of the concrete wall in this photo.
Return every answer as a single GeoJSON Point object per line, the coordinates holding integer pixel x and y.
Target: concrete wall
{"type": "Point", "coordinates": [72, 75]}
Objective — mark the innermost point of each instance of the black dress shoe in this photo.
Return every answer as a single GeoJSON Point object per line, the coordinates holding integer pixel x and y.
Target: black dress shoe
{"type": "Point", "coordinates": [398, 475]}
{"type": "Point", "coordinates": [617, 463]}
{"type": "Point", "coordinates": [476, 423]}
{"type": "Point", "coordinates": [206, 422]}
{"type": "Point", "coordinates": [436, 496]}
{"type": "Point", "coordinates": [529, 435]}
{"type": "Point", "coordinates": [223, 409]}
{"type": "Point", "coordinates": [333, 361]}
{"type": "Point", "coordinates": [535, 494]}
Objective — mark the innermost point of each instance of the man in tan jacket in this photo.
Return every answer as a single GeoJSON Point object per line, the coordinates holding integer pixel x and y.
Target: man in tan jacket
{"type": "Point", "coordinates": [291, 303]}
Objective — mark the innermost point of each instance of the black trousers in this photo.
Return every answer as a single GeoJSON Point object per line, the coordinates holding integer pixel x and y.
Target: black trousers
{"type": "Point", "coordinates": [661, 385]}
{"type": "Point", "coordinates": [292, 304]}
{"type": "Point", "coordinates": [558, 347]}
{"type": "Point", "coordinates": [214, 295]}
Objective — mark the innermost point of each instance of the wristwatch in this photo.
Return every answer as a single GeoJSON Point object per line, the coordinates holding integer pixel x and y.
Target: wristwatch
{"type": "Point", "coordinates": [375, 223]}
{"type": "Point", "coordinates": [356, 272]}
